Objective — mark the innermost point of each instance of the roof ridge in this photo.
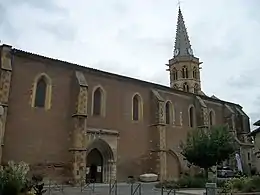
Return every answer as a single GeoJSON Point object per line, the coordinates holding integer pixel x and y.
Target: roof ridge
{"type": "Point", "coordinates": [159, 86]}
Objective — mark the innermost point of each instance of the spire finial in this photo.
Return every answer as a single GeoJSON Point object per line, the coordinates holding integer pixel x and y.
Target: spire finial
{"type": "Point", "coordinates": [179, 4]}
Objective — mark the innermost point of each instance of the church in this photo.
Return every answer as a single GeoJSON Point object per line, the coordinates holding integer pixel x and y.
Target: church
{"type": "Point", "coordinates": [71, 122]}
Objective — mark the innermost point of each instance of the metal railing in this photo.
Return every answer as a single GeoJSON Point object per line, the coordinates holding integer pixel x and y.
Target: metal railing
{"type": "Point", "coordinates": [55, 187]}
{"type": "Point", "coordinates": [87, 186]}
{"type": "Point", "coordinates": [136, 189]}
{"type": "Point", "coordinates": [167, 191]}
{"type": "Point", "coordinates": [113, 187]}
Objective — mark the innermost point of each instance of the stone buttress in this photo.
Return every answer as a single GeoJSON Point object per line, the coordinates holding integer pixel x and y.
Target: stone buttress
{"type": "Point", "coordinates": [78, 134]}
{"type": "Point", "coordinates": [5, 85]}
{"type": "Point", "coordinates": [160, 128]}
{"type": "Point", "coordinates": [203, 121]}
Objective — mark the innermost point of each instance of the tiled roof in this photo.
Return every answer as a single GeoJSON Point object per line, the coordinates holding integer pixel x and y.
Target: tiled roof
{"type": "Point", "coordinates": [74, 66]}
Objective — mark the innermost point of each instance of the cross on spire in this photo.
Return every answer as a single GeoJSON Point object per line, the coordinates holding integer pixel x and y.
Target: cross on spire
{"type": "Point", "coordinates": [179, 3]}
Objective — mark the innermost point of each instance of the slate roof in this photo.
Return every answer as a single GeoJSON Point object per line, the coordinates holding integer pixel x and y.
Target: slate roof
{"type": "Point", "coordinates": [182, 42]}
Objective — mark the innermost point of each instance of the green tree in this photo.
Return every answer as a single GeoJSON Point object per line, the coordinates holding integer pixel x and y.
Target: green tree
{"type": "Point", "coordinates": [208, 147]}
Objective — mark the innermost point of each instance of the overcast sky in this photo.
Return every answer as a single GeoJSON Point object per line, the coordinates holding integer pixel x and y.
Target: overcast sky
{"type": "Point", "coordinates": [135, 38]}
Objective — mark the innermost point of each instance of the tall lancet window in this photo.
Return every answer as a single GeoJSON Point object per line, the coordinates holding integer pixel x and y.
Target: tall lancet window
{"type": "Point", "coordinates": [211, 118]}
{"type": "Point", "coordinates": [137, 108]}
{"type": "Point", "coordinates": [186, 87]}
{"type": "Point", "coordinates": [40, 95]}
{"type": "Point", "coordinates": [191, 117]}
{"type": "Point", "coordinates": [174, 74]}
{"type": "Point", "coordinates": [185, 72]}
{"type": "Point", "coordinates": [195, 73]}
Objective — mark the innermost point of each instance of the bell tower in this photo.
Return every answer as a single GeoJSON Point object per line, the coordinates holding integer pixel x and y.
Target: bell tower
{"type": "Point", "coordinates": [184, 67]}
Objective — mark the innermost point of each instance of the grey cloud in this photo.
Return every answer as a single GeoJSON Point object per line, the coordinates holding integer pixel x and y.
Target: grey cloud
{"type": "Point", "coordinates": [61, 30]}
{"type": "Point", "coordinates": [47, 5]}
{"type": "Point", "coordinates": [112, 66]}
{"type": "Point", "coordinates": [254, 116]}
{"type": "Point", "coordinates": [255, 107]}
{"type": "Point", "coordinates": [143, 45]}
{"type": "Point", "coordinates": [6, 28]}
{"type": "Point", "coordinates": [149, 46]}
{"type": "Point", "coordinates": [246, 80]}
{"type": "Point", "coordinates": [119, 7]}
{"type": "Point", "coordinates": [2, 14]}
{"type": "Point", "coordinates": [12, 19]}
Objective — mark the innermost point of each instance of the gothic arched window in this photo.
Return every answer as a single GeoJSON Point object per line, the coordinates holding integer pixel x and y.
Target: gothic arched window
{"type": "Point", "coordinates": [185, 72]}
{"type": "Point", "coordinates": [194, 73]}
{"type": "Point", "coordinates": [186, 87]}
{"type": "Point", "coordinates": [97, 102]}
{"type": "Point", "coordinates": [211, 118]}
{"type": "Point", "coordinates": [136, 108]}
{"type": "Point", "coordinates": [167, 112]}
{"type": "Point", "coordinates": [174, 74]}
{"type": "Point", "coordinates": [40, 94]}
{"type": "Point", "coordinates": [191, 117]}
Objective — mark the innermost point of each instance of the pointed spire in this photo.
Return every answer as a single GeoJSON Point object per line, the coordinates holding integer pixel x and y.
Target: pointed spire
{"type": "Point", "coordinates": [182, 45]}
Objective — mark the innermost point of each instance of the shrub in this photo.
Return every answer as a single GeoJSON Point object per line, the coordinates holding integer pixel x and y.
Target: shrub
{"type": "Point", "coordinates": [252, 185]}
{"type": "Point", "coordinates": [13, 177]}
{"type": "Point", "coordinates": [192, 182]}
{"type": "Point", "coordinates": [243, 184]}
{"type": "Point", "coordinates": [184, 182]}
{"type": "Point", "coordinates": [221, 183]}
{"type": "Point", "coordinates": [167, 185]}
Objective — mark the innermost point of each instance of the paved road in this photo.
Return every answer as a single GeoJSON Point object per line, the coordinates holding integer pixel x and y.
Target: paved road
{"type": "Point", "coordinates": [122, 189]}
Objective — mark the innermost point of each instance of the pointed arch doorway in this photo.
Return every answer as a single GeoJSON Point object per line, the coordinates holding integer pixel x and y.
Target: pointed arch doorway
{"type": "Point", "coordinates": [94, 166]}
{"type": "Point", "coordinates": [99, 162]}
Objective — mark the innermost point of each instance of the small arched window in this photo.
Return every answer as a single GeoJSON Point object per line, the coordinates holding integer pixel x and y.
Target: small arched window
{"type": "Point", "coordinates": [174, 74]}
{"type": "Point", "coordinates": [136, 108]}
{"type": "Point", "coordinates": [191, 117]}
{"type": "Point", "coordinates": [168, 111]}
{"type": "Point", "coordinates": [196, 88]}
{"type": "Point", "coordinates": [186, 87]}
{"type": "Point", "coordinates": [40, 95]}
{"type": "Point", "coordinates": [97, 103]}
{"type": "Point", "coordinates": [194, 73]}
{"type": "Point", "coordinates": [211, 118]}
{"type": "Point", "coordinates": [185, 72]}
